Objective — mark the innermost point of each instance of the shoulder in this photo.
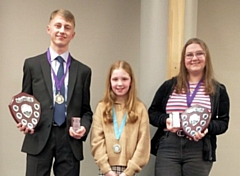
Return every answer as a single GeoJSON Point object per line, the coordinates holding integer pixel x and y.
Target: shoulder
{"type": "Point", "coordinates": [100, 104]}
{"type": "Point", "coordinates": [36, 58]}
{"type": "Point", "coordinates": [99, 111]}
{"type": "Point", "coordinates": [167, 85]}
{"type": "Point", "coordinates": [140, 104]}
{"type": "Point", "coordinates": [80, 64]}
{"type": "Point", "coordinates": [171, 81]}
{"type": "Point", "coordinates": [141, 107]}
{"type": "Point", "coordinates": [35, 61]}
{"type": "Point", "coordinates": [221, 91]}
{"type": "Point", "coordinates": [219, 86]}
{"type": "Point", "coordinates": [100, 107]}
{"type": "Point", "coordinates": [142, 113]}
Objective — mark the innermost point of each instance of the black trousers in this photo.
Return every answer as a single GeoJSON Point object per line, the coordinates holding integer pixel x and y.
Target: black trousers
{"type": "Point", "coordinates": [179, 156]}
{"type": "Point", "coordinates": [56, 153]}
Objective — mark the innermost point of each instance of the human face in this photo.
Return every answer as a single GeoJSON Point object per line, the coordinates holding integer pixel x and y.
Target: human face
{"type": "Point", "coordinates": [120, 83]}
{"type": "Point", "coordinates": [61, 33]}
{"type": "Point", "coordinates": [195, 59]}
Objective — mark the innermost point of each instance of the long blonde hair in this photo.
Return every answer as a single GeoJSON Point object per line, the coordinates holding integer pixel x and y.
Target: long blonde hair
{"type": "Point", "coordinates": [110, 97]}
{"type": "Point", "coordinates": [208, 77]}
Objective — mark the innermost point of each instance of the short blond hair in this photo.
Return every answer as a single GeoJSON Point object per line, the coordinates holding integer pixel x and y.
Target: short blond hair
{"type": "Point", "coordinates": [64, 13]}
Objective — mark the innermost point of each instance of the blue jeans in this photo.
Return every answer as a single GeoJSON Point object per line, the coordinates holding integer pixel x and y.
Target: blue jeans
{"type": "Point", "coordinates": [179, 156]}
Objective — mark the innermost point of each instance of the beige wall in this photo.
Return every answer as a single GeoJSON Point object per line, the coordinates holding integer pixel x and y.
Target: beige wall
{"type": "Point", "coordinates": [219, 26]}
{"type": "Point", "coordinates": [106, 31]}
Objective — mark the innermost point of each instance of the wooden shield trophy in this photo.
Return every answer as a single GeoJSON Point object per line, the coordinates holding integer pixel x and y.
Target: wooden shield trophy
{"type": "Point", "coordinates": [25, 109]}
{"type": "Point", "coordinates": [195, 119]}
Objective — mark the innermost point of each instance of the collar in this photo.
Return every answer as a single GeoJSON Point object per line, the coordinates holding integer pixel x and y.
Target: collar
{"type": "Point", "coordinates": [54, 54]}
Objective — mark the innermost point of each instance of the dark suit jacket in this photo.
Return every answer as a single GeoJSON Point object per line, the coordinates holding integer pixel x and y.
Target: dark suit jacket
{"type": "Point", "coordinates": [37, 82]}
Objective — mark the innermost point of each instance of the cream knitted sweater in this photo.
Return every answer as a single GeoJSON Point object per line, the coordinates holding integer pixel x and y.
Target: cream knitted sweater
{"type": "Point", "coordinates": [134, 140]}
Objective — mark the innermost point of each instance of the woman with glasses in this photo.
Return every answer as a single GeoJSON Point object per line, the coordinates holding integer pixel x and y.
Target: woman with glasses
{"type": "Point", "coordinates": [179, 153]}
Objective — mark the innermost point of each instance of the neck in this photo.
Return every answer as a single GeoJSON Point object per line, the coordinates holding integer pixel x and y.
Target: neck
{"type": "Point", "coordinates": [120, 100]}
{"type": "Point", "coordinates": [194, 78]}
{"type": "Point", "coordinates": [59, 50]}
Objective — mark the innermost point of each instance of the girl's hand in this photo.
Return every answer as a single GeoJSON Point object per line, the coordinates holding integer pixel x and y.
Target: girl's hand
{"type": "Point", "coordinates": [111, 173]}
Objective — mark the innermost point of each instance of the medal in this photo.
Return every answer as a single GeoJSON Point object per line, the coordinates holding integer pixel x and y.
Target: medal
{"type": "Point", "coordinates": [117, 148]}
{"type": "Point", "coordinates": [118, 131]}
{"type": "Point", "coordinates": [59, 98]}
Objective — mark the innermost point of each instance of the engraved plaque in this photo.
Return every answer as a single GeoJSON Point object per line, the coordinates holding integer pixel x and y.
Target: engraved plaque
{"type": "Point", "coordinates": [25, 109]}
{"type": "Point", "coordinates": [195, 119]}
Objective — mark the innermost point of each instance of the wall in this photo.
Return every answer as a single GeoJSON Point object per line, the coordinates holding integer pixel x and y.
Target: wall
{"type": "Point", "coordinates": [218, 25]}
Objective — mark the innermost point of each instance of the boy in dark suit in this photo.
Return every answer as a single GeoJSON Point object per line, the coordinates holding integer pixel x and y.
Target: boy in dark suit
{"type": "Point", "coordinates": [62, 86]}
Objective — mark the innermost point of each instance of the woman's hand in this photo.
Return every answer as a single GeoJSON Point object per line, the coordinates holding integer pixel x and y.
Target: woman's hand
{"type": "Point", "coordinates": [123, 174]}
{"type": "Point", "coordinates": [170, 127]}
{"type": "Point", "coordinates": [200, 135]}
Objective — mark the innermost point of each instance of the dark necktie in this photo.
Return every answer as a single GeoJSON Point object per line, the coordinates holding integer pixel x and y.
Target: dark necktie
{"type": "Point", "coordinates": [59, 111]}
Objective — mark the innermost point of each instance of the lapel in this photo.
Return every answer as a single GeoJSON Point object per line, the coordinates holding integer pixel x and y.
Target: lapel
{"type": "Point", "coordinates": [73, 68]}
{"type": "Point", "coordinates": [46, 70]}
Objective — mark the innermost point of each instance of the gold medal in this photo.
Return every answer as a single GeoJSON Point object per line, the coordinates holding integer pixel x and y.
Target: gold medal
{"type": "Point", "coordinates": [117, 148]}
{"type": "Point", "coordinates": [59, 98]}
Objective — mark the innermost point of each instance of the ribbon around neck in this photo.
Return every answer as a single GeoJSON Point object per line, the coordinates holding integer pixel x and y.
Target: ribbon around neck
{"type": "Point", "coordinates": [118, 131]}
{"type": "Point", "coordinates": [58, 83]}
{"type": "Point", "coordinates": [191, 97]}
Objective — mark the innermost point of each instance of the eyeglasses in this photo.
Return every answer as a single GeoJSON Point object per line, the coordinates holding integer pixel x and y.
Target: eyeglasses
{"type": "Point", "coordinates": [197, 54]}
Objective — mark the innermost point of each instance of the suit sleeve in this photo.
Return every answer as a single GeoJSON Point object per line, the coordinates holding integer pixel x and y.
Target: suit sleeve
{"type": "Point", "coordinates": [86, 115]}
{"type": "Point", "coordinates": [27, 79]}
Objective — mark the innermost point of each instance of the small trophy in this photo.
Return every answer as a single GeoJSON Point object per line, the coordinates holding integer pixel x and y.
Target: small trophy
{"type": "Point", "coordinates": [25, 109]}
{"type": "Point", "coordinates": [175, 116]}
{"type": "Point", "coordinates": [75, 123]}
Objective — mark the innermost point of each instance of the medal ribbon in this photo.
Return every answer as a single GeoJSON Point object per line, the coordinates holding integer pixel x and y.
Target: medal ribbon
{"type": "Point", "coordinates": [190, 98]}
{"type": "Point", "coordinates": [59, 83]}
{"type": "Point", "coordinates": [118, 131]}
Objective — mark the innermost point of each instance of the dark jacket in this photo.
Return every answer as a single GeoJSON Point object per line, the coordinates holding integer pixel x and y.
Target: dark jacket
{"type": "Point", "coordinates": [218, 124]}
{"type": "Point", "coordinates": [37, 82]}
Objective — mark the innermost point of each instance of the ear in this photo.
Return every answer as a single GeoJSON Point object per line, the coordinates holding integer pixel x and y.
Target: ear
{"type": "Point", "coordinates": [73, 34]}
{"type": "Point", "coordinates": [48, 29]}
